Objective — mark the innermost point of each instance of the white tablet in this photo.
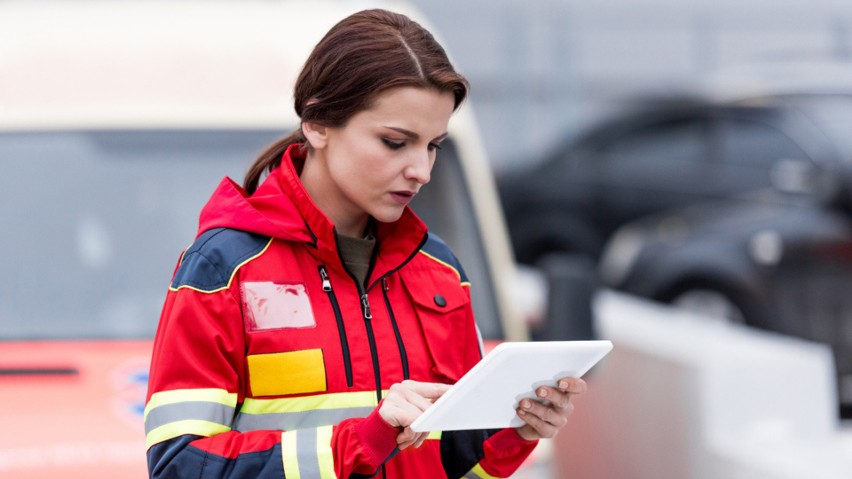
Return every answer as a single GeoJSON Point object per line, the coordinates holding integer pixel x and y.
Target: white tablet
{"type": "Point", "coordinates": [488, 395]}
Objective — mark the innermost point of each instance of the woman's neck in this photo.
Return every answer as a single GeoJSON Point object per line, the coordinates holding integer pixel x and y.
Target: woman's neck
{"type": "Point", "coordinates": [316, 180]}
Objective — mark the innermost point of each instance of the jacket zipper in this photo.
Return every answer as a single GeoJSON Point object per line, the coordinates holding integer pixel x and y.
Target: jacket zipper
{"type": "Point", "coordinates": [402, 354]}
{"type": "Point", "coordinates": [344, 343]}
{"type": "Point", "coordinates": [371, 337]}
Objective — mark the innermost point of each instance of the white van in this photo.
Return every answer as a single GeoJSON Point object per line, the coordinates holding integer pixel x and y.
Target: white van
{"type": "Point", "coordinates": [117, 120]}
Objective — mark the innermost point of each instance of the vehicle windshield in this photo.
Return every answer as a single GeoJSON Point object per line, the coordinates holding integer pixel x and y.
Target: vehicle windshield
{"type": "Point", "coordinates": [833, 115]}
{"type": "Point", "coordinates": [95, 222]}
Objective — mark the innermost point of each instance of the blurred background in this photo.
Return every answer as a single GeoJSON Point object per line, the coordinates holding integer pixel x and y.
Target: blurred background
{"type": "Point", "coordinates": [673, 176]}
{"type": "Point", "coordinates": [544, 69]}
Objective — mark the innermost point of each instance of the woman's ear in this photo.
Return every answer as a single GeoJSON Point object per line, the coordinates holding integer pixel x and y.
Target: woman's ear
{"type": "Point", "coordinates": [316, 134]}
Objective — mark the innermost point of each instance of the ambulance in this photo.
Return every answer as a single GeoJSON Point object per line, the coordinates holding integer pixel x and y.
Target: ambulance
{"type": "Point", "coordinates": [117, 120]}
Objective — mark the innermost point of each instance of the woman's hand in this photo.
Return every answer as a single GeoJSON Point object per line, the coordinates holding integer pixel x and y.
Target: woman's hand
{"type": "Point", "coordinates": [546, 416]}
{"type": "Point", "coordinates": [404, 403]}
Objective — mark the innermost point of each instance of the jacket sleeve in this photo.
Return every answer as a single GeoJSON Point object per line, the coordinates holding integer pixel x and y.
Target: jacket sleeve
{"type": "Point", "coordinates": [197, 385]}
{"type": "Point", "coordinates": [482, 454]}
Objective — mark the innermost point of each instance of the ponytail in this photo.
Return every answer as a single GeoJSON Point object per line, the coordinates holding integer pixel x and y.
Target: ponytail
{"type": "Point", "coordinates": [270, 159]}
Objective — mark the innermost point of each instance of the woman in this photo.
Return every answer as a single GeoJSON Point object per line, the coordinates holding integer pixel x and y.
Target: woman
{"type": "Point", "coordinates": [314, 318]}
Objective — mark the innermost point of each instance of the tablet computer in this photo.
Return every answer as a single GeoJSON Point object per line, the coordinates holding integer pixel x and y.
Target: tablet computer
{"type": "Point", "coordinates": [488, 395]}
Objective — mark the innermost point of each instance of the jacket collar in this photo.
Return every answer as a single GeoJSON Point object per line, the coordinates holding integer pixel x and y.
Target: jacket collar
{"type": "Point", "coordinates": [282, 208]}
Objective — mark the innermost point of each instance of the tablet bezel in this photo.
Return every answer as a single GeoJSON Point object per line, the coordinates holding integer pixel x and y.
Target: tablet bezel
{"type": "Point", "coordinates": [473, 403]}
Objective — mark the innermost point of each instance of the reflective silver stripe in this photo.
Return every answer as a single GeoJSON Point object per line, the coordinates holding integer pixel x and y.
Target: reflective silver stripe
{"type": "Point", "coordinates": [307, 454]}
{"type": "Point", "coordinates": [306, 451]}
{"type": "Point", "coordinates": [203, 410]}
{"type": "Point", "coordinates": [288, 421]}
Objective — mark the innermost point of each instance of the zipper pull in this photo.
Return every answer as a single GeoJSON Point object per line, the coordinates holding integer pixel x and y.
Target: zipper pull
{"type": "Point", "coordinates": [326, 283]}
{"type": "Point", "coordinates": [365, 305]}
{"type": "Point", "coordinates": [385, 285]}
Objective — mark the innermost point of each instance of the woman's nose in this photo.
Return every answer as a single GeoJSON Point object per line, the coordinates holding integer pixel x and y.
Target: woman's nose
{"type": "Point", "coordinates": [420, 167]}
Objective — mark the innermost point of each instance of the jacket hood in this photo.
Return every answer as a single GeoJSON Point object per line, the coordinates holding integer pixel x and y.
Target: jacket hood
{"type": "Point", "coordinates": [270, 211]}
{"type": "Point", "coordinates": [281, 208]}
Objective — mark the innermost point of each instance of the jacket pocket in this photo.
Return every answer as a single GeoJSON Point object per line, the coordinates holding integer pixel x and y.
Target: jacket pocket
{"type": "Point", "coordinates": [445, 319]}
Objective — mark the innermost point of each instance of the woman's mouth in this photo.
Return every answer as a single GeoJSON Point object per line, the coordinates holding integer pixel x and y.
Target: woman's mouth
{"type": "Point", "coordinates": [402, 197]}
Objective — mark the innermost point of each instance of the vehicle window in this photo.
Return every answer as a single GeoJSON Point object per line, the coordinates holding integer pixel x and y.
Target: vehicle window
{"type": "Point", "coordinates": [755, 155]}
{"type": "Point", "coordinates": [831, 114]}
{"type": "Point", "coordinates": [651, 169]}
{"type": "Point", "coordinates": [652, 147]}
{"type": "Point", "coordinates": [755, 144]}
{"type": "Point", "coordinates": [445, 206]}
{"type": "Point", "coordinates": [95, 223]}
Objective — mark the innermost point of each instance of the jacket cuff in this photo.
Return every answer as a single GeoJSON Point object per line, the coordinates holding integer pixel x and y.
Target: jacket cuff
{"type": "Point", "coordinates": [509, 439]}
{"type": "Point", "coordinates": [377, 437]}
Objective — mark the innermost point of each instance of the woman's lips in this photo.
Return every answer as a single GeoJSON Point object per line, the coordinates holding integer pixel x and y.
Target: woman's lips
{"type": "Point", "coordinates": [402, 197]}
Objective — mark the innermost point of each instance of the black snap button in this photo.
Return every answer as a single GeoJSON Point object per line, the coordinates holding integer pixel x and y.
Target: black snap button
{"type": "Point", "coordinates": [440, 300]}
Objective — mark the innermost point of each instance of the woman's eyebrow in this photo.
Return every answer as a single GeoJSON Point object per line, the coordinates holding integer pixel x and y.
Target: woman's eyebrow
{"type": "Point", "coordinates": [408, 133]}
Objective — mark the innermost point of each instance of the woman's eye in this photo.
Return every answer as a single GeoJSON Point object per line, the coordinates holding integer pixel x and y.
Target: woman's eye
{"type": "Point", "coordinates": [434, 146]}
{"type": "Point", "coordinates": [393, 145]}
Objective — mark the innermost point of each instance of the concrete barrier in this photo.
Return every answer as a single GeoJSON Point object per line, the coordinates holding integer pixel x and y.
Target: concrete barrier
{"type": "Point", "coordinates": [682, 398]}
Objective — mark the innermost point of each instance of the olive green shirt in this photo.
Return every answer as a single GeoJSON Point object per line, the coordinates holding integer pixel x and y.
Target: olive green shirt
{"type": "Point", "coordinates": [356, 253]}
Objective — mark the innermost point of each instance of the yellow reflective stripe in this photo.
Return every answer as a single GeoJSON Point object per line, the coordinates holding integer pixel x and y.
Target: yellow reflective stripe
{"type": "Point", "coordinates": [309, 403]}
{"type": "Point", "coordinates": [233, 273]}
{"type": "Point", "coordinates": [289, 455]}
{"type": "Point", "coordinates": [179, 428]}
{"type": "Point", "coordinates": [325, 457]}
{"type": "Point", "coordinates": [434, 435]}
{"type": "Point", "coordinates": [481, 474]}
{"type": "Point", "coordinates": [162, 398]}
{"type": "Point", "coordinates": [308, 452]}
{"type": "Point", "coordinates": [163, 423]}
{"type": "Point", "coordinates": [448, 265]}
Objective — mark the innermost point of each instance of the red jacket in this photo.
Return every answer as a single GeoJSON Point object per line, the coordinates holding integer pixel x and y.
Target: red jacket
{"type": "Point", "coordinates": [270, 359]}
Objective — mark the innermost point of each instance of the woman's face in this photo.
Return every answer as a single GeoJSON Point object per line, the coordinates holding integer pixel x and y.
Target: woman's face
{"type": "Point", "coordinates": [377, 162]}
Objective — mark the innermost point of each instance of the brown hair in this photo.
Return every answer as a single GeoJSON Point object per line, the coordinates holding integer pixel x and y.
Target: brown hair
{"type": "Point", "coordinates": [363, 55]}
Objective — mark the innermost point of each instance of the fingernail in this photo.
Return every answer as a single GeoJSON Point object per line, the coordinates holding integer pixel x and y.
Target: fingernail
{"type": "Point", "coordinates": [527, 405]}
{"type": "Point", "coordinates": [542, 393]}
{"type": "Point", "coordinates": [563, 384]}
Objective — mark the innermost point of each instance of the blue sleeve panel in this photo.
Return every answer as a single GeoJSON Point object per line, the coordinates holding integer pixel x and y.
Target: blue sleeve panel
{"type": "Point", "coordinates": [436, 247]}
{"type": "Point", "coordinates": [209, 263]}
{"type": "Point", "coordinates": [176, 458]}
{"type": "Point", "coordinates": [461, 450]}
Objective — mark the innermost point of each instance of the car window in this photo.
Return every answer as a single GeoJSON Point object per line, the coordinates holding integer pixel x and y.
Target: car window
{"type": "Point", "coordinates": [757, 154]}
{"type": "Point", "coordinates": [831, 114]}
{"type": "Point", "coordinates": [642, 154]}
{"type": "Point", "coordinates": [755, 144]}
{"type": "Point", "coordinates": [95, 222]}
{"type": "Point", "coordinates": [650, 168]}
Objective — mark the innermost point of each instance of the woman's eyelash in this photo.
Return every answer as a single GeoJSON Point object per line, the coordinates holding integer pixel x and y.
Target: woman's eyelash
{"type": "Point", "coordinates": [393, 145]}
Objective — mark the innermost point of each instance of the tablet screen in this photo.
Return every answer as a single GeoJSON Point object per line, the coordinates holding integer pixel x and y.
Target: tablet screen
{"type": "Point", "coordinates": [488, 395]}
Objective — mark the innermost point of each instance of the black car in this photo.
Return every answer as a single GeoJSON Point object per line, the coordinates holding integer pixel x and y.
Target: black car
{"type": "Point", "coordinates": [657, 155]}
{"type": "Point", "coordinates": [767, 259]}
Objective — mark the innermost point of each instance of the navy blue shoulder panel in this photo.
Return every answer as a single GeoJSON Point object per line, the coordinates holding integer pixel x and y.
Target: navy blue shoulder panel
{"type": "Point", "coordinates": [209, 263]}
{"type": "Point", "coordinates": [437, 248]}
